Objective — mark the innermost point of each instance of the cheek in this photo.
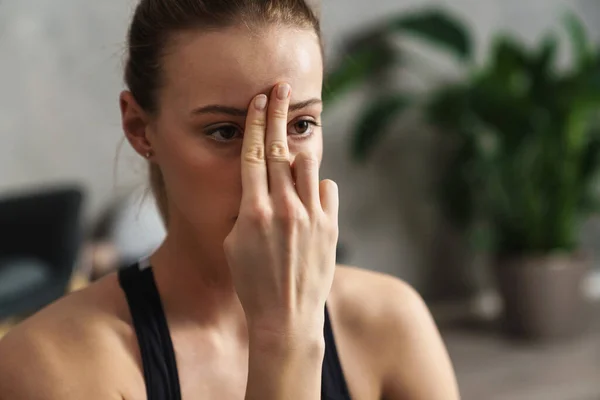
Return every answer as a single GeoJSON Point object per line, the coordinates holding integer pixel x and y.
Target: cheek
{"type": "Point", "coordinates": [203, 182]}
{"type": "Point", "coordinates": [319, 150]}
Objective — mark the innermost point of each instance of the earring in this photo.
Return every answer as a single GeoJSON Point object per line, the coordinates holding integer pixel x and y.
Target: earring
{"type": "Point", "coordinates": [149, 154]}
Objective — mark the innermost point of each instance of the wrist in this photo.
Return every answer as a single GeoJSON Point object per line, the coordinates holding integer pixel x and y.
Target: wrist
{"type": "Point", "coordinates": [307, 340]}
{"type": "Point", "coordinates": [284, 366]}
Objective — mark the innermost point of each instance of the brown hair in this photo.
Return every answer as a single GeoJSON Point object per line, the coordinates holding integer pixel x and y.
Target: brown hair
{"type": "Point", "coordinates": [155, 21]}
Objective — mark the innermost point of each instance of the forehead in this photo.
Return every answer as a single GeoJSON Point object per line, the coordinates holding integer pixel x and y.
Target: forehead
{"type": "Point", "coordinates": [233, 65]}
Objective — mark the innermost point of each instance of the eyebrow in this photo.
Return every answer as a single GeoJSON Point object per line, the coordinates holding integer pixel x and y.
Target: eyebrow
{"type": "Point", "coordinates": [242, 112]}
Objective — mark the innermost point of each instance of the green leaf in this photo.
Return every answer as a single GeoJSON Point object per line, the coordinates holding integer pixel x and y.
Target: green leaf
{"type": "Point", "coordinates": [592, 80]}
{"type": "Point", "coordinates": [581, 47]}
{"type": "Point", "coordinates": [589, 174]}
{"type": "Point", "coordinates": [457, 187]}
{"type": "Point", "coordinates": [439, 28]}
{"type": "Point", "coordinates": [543, 62]}
{"type": "Point", "coordinates": [375, 121]}
{"type": "Point", "coordinates": [542, 69]}
{"type": "Point", "coordinates": [590, 160]}
{"type": "Point", "coordinates": [355, 68]}
{"type": "Point", "coordinates": [508, 57]}
{"type": "Point", "coordinates": [448, 107]}
{"type": "Point", "coordinates": [506, 111]}
{"type": "Point", "coordinates": [528, 162]}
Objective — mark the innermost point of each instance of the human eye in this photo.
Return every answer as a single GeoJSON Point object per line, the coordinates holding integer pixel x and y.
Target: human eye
{"type": "Point", "coordinates": [224, 133]}
{"type": "Point", "coordinates": [302, 128]}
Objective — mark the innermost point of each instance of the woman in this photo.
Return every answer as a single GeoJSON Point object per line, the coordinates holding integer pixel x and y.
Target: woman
{"type": "Point", "coordinates": [224, 103]}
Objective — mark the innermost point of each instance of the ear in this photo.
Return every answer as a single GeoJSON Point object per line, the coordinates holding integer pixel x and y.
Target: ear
{"type": "Point", "coordinates": [135, 124]}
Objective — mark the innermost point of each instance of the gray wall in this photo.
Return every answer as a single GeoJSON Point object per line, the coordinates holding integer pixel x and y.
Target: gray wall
{"type": "Point", "coordinates": [60, 75]}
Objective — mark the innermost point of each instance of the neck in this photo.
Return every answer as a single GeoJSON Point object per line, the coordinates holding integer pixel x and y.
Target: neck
{"type": "Point", "coordinates": [193, 278]}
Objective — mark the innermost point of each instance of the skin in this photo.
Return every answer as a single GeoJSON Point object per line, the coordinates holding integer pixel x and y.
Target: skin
{"type": "Point", "coordinates": [236, 337]}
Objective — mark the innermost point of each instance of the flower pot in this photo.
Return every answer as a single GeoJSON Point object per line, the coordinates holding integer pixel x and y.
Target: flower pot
{"type": "Point", "coordinates": [543, 295]}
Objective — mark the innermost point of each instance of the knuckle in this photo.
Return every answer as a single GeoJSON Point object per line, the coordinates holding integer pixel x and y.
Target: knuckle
{"type": "Point", "coordinates": [307, 162]}
{"type": "Point", "coordinates": [261, 211]}
{"type": "Point", "coordinates": [260, 214]}
{"type": "Point", "coordinates": [277, 150]}
{"type": "Point", "coordinates": [279, 113]}
{"type": "Point", "coordinates": [258, 122]}
{"type": "Point", "coordinates": [328, 227]}
{"type": "Point", "coordinates": [255, 153]}
{"type": "Point", "coordinates": [288, 212]}
{"type": "Point", "coordinates": [314, 209]}
{"type": "Point", "coordinates": [303, 218]}
{"type": "Point", "coordinates": [310, 161]}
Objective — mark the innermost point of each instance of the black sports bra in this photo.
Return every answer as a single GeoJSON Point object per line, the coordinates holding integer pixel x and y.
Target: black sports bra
{"type": "Point", "coordinates": [158, 357]}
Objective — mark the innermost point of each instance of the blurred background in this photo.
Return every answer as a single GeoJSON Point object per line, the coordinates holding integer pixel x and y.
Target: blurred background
{"type": "Point", "coordinates": [464, 136]}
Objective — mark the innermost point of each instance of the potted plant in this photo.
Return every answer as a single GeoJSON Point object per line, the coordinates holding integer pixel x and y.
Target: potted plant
{"type": "Point", "coordinates": [525, 155]}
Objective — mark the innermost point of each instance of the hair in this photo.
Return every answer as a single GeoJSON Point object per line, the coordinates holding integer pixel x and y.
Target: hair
{"type": "Point", "coordinates": [156, 21]}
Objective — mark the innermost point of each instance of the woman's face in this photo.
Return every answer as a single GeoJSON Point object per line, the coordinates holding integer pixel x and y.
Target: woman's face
{"type": "Point", "coordinates": [196, 138]}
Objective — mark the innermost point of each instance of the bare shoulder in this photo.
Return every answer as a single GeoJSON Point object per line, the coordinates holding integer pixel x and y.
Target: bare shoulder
{"type": "Point", "coordinates": [386, 322]}
{"type": "Point", "coordinates": [79, 345]}
{"type": "Point", "coordinates": [371, 304]}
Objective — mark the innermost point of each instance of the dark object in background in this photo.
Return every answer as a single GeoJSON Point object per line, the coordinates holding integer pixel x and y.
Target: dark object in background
{"type": "Point", "coordinates": [40, 236]}
{"type": "Point", "coordinates": [543, 296]}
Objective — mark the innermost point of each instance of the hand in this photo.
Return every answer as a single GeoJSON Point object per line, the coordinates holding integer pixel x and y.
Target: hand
{"type": "Point", "coordinates": [281, 251]}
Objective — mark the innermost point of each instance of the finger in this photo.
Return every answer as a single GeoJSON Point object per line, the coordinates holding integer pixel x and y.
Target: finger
{"type": "Point", "coordinates": [254, 167]}
{"type": "Point", "coordinates": [277, 151]}
{"type": "Point", "coordinates": [329, 195]}
{"type": "Point", "coordinates": [306, 175]}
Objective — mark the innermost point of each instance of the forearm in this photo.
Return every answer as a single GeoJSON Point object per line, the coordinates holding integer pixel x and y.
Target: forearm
{"type": "Point", "coordinates": [285, 367]}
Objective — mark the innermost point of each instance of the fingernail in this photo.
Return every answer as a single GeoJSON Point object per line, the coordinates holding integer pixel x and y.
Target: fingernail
{"type": "Point", "coordinates": [260, 103]}
{"type": "Point", "coordinates": [283, 91]}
